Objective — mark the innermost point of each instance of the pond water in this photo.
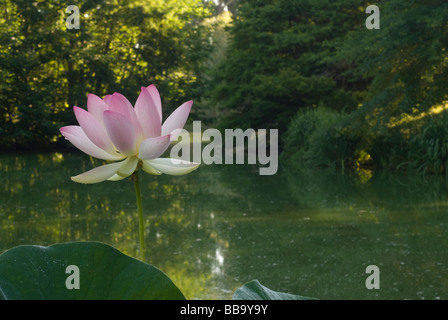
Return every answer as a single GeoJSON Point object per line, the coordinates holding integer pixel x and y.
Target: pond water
{"type": "Point", "coordinates": [306, 232]}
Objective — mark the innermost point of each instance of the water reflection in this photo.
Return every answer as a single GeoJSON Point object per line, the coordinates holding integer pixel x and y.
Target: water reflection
{"type": "Point", "coordinates": [305, 232]}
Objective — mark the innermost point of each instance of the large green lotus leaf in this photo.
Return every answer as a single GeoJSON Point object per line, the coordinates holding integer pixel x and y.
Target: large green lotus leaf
{"type": "Point", "coordinates": [253, 290]}
{"type": "Point", "coordinates": [35, 272]}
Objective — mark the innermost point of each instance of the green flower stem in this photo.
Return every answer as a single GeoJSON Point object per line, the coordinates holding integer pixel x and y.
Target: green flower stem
{"type": "Point", "coordinates": [141, 229]}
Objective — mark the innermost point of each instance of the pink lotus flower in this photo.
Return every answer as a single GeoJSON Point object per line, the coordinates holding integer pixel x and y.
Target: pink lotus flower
{"type": "Point", "coordinates": [111, 129]}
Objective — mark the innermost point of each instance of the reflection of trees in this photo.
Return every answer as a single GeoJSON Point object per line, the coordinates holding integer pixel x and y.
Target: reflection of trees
{"type": "Point", "coordinates": [396, 220]}
{"type": "Point", "coordinates": [40, 205]}
{"type": "Point", "coordinates": [304, 232]}
{"type": "Point", "coordinates": [328, 188]}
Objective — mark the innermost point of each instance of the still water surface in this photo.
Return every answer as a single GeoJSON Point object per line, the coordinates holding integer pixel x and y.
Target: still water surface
{"type": "Point", "coordinates": [310, 233]}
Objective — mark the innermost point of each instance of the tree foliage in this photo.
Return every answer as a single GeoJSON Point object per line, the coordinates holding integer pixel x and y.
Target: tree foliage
{"type": "Point", "coordinates": [406, 59]}
{"type": "Point", "coordinates": [266, 68]}
{"type": "Point", "coordinates": [121, 45]}
{"type": "Point", "coordinates": [406, 64]}
{"type": "Point", "coordinates": [279, 61]}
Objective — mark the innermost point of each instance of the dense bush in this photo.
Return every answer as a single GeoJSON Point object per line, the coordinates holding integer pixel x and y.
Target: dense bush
{"type": "Point", "coordinates": [323, 137]}
{"type": "Point", "coordinates": [428, 149]}
{"type": "Point", "coordinates": [418, 144]}
{"type": "Point", "coordinates": [404, 67]}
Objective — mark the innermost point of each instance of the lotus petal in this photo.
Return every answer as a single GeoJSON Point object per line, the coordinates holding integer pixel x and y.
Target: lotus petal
{"type": "Point", "coordinates": [177, 119]}
{"type": "Point", "coordinates": [93, 129]}
{"type": "Point", "coordinates": [148, 114]}
{"type": "Point", "coordinates": [121, 132]}
{"type": "Point", "coordinates": [107, 98]}
{"type": "Point", "coordinates": [152, 148]}
{"type": "Point", "coordinates": [173, 167]}
{"type": "Point", "coordinates": [156, 98]}
{"type": "Point", "coordinates": [96, 106]}
{"type": "Point", "coordinates": [79, 139]}
{"type": "Point", "coordinates": [118, 103]}
{"type": "Point", "coordinates": [100, 173]}
{"type": "Point", "coordinates": [128, 167]}
{"type": "Point", "coordinates": [148, 169]}
{"type": "Point", "coordinates": [116, 177]}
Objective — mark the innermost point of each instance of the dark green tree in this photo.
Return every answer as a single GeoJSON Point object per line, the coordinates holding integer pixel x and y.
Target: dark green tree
{"type": "Point", "coordinates": [281, 59]}
{"type": "Point", "coordinates": [405, 59]}
{"type": "Point", "coordinates": [406, 62]}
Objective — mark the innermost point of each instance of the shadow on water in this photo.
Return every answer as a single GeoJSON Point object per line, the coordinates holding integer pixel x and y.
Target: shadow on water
{"type": "Point", "coordinates": [308, 232]}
